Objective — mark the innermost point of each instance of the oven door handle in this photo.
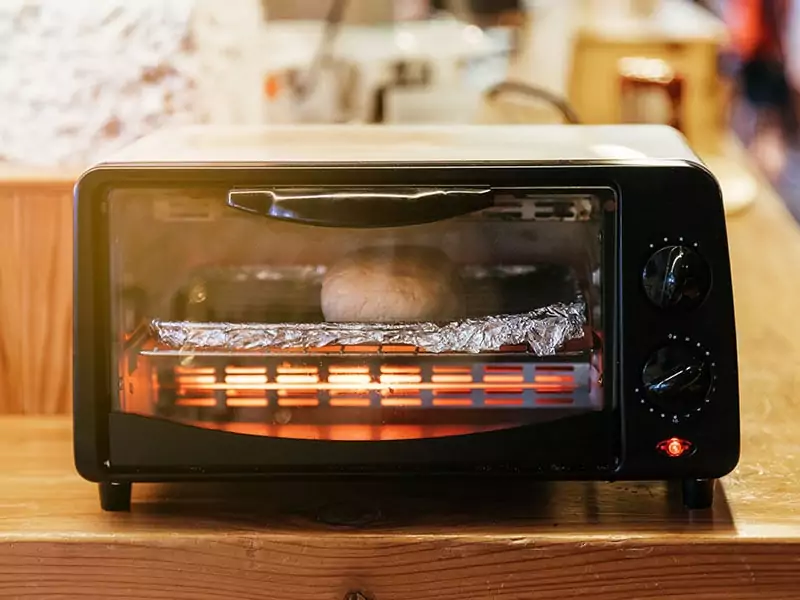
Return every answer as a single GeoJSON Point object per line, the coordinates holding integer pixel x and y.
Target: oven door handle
{"type": "Point", "coordinates": [361, 208]}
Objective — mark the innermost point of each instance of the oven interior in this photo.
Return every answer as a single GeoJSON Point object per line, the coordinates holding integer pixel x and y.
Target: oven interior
{"type": "Point", "coordinates": [186, 257]}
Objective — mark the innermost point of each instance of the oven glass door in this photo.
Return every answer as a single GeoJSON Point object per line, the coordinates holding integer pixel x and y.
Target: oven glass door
{"type": "Point", "coordinates": [342, 314]}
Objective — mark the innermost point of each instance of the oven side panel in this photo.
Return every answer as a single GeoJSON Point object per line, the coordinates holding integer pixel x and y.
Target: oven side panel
{"type": "Point", "coordinates": [91, 385]}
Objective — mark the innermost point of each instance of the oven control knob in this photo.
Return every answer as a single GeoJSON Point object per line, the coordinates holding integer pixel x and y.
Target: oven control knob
{"type": "Point", "coordinates": [676, 277]}
{"type": "Point", "coordinates": [677, 377]}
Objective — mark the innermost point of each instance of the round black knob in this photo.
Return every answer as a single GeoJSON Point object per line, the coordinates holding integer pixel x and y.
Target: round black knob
{"type": "Point", "coordinates": [676, 277]}
{"type": "Point", "coordinates": [677, 377]}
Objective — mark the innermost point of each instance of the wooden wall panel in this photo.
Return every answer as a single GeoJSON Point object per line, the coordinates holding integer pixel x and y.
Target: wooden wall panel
{"type": "Point", "coordinates": [35, 296]}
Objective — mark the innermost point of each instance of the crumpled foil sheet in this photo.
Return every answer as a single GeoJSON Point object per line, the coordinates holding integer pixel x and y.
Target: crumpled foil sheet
{"type": "Point", "coordinates": [544, 330]}
{"type": "Point", "coordinates": [79, 79]}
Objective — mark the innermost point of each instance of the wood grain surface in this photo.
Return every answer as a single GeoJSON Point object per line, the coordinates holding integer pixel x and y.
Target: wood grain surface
{"type": "Point", "coordinates": [440, 540]}
{"type": "Point", "coordinates": [35, 292]}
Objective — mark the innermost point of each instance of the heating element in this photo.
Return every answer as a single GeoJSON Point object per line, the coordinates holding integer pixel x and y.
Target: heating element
{"type": "Point", "coordinates": [521, 385]}
{"type": "Point", "coordinates": [360, 385]}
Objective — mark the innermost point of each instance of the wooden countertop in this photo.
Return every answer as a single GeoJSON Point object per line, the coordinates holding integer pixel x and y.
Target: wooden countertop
{"type": "Point", "coordinates": [550, 541]}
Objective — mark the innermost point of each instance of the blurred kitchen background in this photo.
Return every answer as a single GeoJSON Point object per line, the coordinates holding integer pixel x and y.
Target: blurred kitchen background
{"type": "Point", "coordinates": [79, 79]}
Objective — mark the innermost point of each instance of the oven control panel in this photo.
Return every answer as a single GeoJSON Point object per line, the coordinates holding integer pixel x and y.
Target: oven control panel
{"type": "Point", "coordinates": [678, 342]}
{"type": "Point", "coordinates": [676, 278]}
{"type": "Point", "coordinates": [677, 379]}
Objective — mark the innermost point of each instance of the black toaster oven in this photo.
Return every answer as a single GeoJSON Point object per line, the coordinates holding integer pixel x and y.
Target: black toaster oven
{"type": "Point", "coordinates": [548, 302]}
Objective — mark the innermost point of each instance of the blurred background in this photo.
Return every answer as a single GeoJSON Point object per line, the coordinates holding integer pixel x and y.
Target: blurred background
{"type": "Point", "coordinates": [79, 79]}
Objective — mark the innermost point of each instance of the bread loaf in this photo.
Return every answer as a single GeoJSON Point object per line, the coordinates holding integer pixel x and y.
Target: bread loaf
{"type": "Point", "coordinates": [392, 284]}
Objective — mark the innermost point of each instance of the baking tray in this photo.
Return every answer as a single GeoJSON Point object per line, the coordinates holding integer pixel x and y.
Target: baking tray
{"type": "Point", "coordinates": [263, 308]}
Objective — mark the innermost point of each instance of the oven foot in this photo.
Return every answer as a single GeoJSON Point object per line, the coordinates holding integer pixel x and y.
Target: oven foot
{"type": "Point", "coordinates": [115, 496]}
{"type": "Point", "coordinates": [698, 493]}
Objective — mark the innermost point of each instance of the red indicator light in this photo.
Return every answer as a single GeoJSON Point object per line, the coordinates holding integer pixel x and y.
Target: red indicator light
{"type": "Point", "coordinates": [674, 447]}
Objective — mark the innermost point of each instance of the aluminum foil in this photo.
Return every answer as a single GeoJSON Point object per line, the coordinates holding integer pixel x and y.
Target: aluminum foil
{"type": "Point", "coordinates": [543, 330]}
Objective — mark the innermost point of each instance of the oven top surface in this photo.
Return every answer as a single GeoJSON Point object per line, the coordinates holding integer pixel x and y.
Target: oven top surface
{"type": "Point", "coordinates": [414, 144]}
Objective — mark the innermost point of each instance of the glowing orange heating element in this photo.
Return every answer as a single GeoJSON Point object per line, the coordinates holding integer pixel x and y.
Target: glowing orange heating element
{"type": "Point", "coordinates": [356, 386]}
{"type": "Point", "coordinates": [674, 447]}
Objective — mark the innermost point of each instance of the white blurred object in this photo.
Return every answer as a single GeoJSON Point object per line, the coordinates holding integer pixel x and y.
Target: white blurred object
{"type": "Point", "coordinates": [443, 49]}
{"type": "Point", "coordinates": [286, 53]}
{"type": "Point", "coordinates": [364, 64]}
{"type": "Point", "coordinates": [739, 185]}
{"type": "Point", "coordinates": [79, 79]}
{"type": "Point", "coordinates": [228, 41]}
{"type": "Point", "coordinates": [546, 60]}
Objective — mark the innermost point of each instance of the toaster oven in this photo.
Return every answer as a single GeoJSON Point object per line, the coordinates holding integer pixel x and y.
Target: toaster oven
{"type": "Point", "coordinates": [548, 302]}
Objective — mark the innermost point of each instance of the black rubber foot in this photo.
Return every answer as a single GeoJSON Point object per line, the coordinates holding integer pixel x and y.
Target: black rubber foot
{"type": "Point", "coordinates": [698, 493]}
{"type": "Point", "coordinates": [115, 496]}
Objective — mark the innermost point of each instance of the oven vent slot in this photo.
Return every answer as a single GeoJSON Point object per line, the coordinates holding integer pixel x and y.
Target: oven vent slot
{"type": "Point", "coordinates": [186, 208]}
{"type": "Point", "coordinates": [539, 208]}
